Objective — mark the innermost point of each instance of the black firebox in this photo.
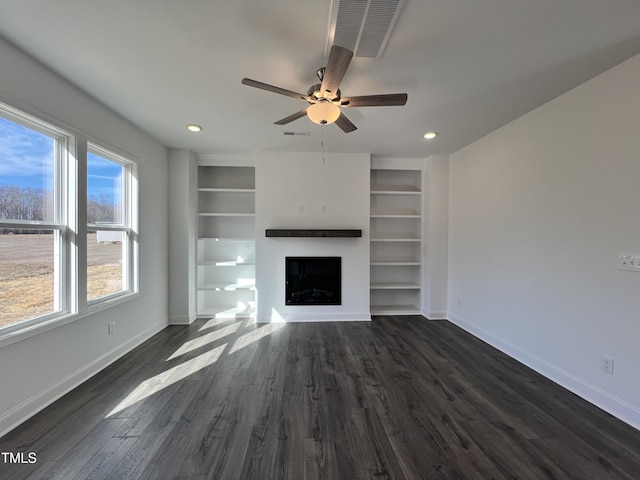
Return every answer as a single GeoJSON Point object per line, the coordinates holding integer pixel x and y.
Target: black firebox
{"type": "Point", "coordinates": [313, 280]}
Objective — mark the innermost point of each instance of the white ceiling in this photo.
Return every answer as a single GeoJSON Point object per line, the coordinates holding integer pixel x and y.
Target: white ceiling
{"type": "Point", "coordinates": [468, 66]}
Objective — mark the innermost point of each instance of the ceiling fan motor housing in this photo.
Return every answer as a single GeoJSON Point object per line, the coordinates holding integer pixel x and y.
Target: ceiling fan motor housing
{"type": "Point", "coordinates": [315, 92]}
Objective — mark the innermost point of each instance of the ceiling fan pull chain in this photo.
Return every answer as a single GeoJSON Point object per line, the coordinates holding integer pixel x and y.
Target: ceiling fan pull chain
{"type": "Point", "coordinates": [322, 140]}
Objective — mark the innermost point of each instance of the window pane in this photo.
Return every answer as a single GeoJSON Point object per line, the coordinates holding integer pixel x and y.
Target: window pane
{"type": "Point", "coordinates": [27, 274]}
{"type": "Point", "coordinates": [105, 251]}
{"type": "Point", "coordinates": [104, 190]}
{"type": "Point", "coordinates": [27, 168]}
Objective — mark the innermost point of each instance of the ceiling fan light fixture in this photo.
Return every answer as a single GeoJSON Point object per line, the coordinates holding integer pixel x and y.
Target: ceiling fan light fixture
{"type": "Point", "coordinates": [323, 113]}
{"type": "Point", "coordinates": [192, 127]}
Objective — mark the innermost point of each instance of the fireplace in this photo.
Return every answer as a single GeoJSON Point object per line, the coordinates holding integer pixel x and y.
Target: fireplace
{"type": "Point", "coordinates": [313, 280]}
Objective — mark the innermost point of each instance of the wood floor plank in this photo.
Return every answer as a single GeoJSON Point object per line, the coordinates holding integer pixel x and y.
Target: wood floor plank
{"type": "Point", "coordinates": [153, 433]}
{"type": "Point", "coordinates": [396, 398]}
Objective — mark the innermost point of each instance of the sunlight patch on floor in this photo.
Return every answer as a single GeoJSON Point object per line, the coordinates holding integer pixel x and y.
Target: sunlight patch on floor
{"type": "Point", "coordinates": [167, 378]}
{"type": "Point", "coordinates": [255, 335]}
{"type": "Point", "coordinates": [205, 340]}
{"type": "Point", "coordinates": [214, 322]}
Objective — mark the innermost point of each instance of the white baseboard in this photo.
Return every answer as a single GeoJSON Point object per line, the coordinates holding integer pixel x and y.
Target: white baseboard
{"type": "Point", "coordinates": [46, 397]}
{"type": "Point", "coordinates": [609, 403]}
{"type": "Point", "coordinates": [181, 320]}
{"type": "Point", "coordinates": [319, 317]}
{"type": "Point", "coordinates": [436, 315]}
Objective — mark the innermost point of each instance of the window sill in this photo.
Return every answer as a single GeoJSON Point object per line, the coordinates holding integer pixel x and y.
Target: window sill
{"type": "Point", "coordinates": [29, 328]}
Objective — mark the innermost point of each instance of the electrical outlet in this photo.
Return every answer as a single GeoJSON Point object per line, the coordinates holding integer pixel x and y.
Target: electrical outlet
{"type": "Point", "coordinates": [625, 262]}
{"type": "Point", "coordinates": [323, 209]}
{"type": "Point", "coordinates": [300, 208]}
{"type": "Point", "coordinates": [606, 364]}
{"type": "Point", "coordinates": [111, 328]}
{"type": "Point", "coordinates": [629, 262]}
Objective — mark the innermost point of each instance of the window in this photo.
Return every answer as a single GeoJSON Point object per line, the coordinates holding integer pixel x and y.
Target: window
{"type": "Point", "coordinates": [110, 241]}
{"type": "Point", "coordinates": [58, 259]}
{"type": "Point", "coordinates": [33, 230]}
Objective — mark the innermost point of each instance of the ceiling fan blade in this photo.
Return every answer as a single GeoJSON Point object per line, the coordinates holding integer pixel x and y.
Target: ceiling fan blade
{"type": "Point", "coordinates": [384, 100]}
{"type": "Point", "coordinates": [291, 118]}
{"type": "Point", "coordinates": [271, 88]}
{"type": "Point", "coordinates": [345, 124]}
{"type": "Point", "coordinates": [337, 64]}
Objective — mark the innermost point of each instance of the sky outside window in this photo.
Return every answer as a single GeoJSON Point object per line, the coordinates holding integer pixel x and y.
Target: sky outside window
{"type": "Point", "coordinates": [27, 167]}
{"type": "Point", "coordinates": [104, 189]}
{"type": "Point", "coordinates": [27, 162]}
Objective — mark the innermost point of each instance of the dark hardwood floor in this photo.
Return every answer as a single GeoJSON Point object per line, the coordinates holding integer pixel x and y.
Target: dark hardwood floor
{"type": "Point", "coordinates": [399, 397]}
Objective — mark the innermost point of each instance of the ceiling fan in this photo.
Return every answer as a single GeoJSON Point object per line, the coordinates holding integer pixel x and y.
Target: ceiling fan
{"type": "Point", "coordinates": [325, 98]}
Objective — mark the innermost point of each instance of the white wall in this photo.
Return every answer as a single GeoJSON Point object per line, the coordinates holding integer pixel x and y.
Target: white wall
{"type": "Point", "coordinates": [435, 239]}
{"type": "Point", "coordinates": [35, 371]}
{"type": "Point", "coordinates": [539, 212]}
{"type": "Point", "coordinates": [183, 201]}
{"type": "Point", "coordinates": [285, 180]}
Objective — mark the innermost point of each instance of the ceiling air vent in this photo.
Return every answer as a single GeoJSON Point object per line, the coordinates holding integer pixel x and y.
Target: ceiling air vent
{"type": "Point", "coordinates": [363, 26]}
{"type": "Point", "coordinates": [289, 133]}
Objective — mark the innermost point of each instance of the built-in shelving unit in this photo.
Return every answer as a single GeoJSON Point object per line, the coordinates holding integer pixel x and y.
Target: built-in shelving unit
{"type": "Point", "coordinates": [396, 241]}
{"type": "Point", "coordinates": [226, 241]}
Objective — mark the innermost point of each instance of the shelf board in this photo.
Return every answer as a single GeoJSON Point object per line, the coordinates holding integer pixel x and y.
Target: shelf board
{"type": "Point", "coordinates": [226, 214]}
{"type": "Point", "coordinates": [227, 239]}
{"type": "Point", "coordinates": [395, 190]}
{"type": "Point", "coordinates": [394, 286]}
{"type": "Point", "coordinates": [227, 287]}
{"type": "Point", "coordinates": [389, 263]}
{"type": "Point", "coordinates": [394, 310]}
{"type": "Point", "coordinates": [227, 190]}
{"type": "Point", "coordinates": [394, 213]}
{"type": "Point", "coordinates": [227, 312]}
{"type": "Point", "coordinates": [391, 238]}
{"type": "Point", "coordinates": [382, 215]}
{"type": "Point", "coordinates": [225, 263]}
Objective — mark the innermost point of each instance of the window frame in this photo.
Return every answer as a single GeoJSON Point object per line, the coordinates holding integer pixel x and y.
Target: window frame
{"type": "Point", "coordinates": [59, 224]}
{"type": "Point", "coordinates": [128, 225]}
{"type": "Point", "coordinates": [70, 224]}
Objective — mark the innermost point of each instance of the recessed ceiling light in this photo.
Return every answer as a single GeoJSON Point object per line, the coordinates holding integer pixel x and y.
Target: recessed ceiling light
{"type": "Point", "coordinates": [192, 127]}
{"type": "Point", "coordinates": [430, 135]}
